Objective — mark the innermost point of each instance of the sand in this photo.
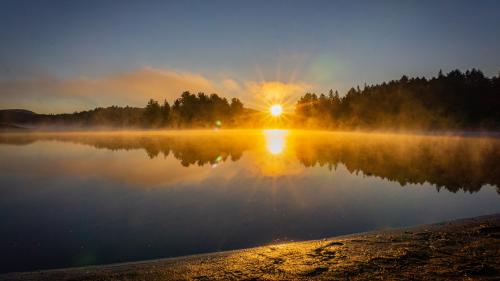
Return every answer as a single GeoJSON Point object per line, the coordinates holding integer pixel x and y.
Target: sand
{"type": "Point", "coordinates": [467, 249]}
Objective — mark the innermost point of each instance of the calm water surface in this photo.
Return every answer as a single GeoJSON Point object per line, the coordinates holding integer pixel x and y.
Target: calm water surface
{"type": "Point", "coordinates": [73, 199]}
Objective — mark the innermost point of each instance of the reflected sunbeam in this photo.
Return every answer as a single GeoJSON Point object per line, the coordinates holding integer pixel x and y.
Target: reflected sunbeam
{"type": "Point", "coordinates": [275, 141]}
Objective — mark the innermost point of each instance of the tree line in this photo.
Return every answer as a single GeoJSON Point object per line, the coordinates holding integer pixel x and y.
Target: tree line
{"type": "Point", "coordinates": [454, 101]}
{"type": "Point", "coordinates": [192, 110]}
{"type": "Point", "coordinates": [187, 111]}
{"type": "Point", "coordinates": [457, 101]}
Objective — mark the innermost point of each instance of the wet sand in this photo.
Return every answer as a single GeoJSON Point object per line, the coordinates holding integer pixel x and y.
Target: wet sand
{"type": "Point", "coordinates": [466, 249]}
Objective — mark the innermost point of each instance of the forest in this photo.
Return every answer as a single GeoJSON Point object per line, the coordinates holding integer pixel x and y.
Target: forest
{"type": "Point", "coordinates": [455, 101]}
{"type": "Point", "coordinates": [187, 111]}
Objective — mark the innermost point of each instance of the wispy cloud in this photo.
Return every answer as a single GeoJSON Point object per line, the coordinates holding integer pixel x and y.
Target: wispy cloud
{"type": "Point", "coordinates": [51, 94]}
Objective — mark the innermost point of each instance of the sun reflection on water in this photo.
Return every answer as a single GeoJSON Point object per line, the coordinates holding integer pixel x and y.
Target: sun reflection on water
{"type": "Point", "coordinates": [275, 141]}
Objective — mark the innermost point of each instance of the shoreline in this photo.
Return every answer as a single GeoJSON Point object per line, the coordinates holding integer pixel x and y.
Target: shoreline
{"type": "Point", "coordinates": [460, 249]}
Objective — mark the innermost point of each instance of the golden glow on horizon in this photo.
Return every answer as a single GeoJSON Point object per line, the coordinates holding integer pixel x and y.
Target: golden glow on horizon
{"type": "Point", "coordinates": [275, 101]}
{"type": "Point", "coordinates": [276, 110]}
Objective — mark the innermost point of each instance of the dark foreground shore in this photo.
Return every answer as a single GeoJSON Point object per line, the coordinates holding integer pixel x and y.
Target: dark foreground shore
{"type": "Point", "coordinates": [466, 249]}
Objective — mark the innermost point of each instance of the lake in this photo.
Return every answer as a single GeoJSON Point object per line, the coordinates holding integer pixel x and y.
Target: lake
{"type": "Point", "coordinates": [75, 199]}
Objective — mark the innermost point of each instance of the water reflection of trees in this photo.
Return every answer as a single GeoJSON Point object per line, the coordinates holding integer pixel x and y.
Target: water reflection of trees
{"type": "Point", "coordinates": [189, 149]}
{"type": "Point", "coordinates": [451, 162]}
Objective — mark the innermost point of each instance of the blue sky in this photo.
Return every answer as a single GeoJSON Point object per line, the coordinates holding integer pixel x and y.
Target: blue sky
{"type": "Point", "coordinates": [49, 48]}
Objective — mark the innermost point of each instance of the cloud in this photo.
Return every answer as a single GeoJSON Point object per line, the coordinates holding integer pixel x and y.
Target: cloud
{"type": "Point", "coordinates": [231, 86]}
{"type": "Point", "coordinates": [49, 94]}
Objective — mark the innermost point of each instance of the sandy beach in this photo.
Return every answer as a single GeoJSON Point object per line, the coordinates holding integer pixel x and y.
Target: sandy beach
{"type": "Point", "coordinates": [466, 249]}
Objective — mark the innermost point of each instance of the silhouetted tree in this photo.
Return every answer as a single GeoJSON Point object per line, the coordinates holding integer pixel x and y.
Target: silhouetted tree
{"type": "Point", "coordinates": [153, 114]}
{"type": "Point", "coordinates": [454, 101]}
{"type": "Point", "coordinates": [236, 106]}
{"type": "Point", "coordinates": [165, 112]}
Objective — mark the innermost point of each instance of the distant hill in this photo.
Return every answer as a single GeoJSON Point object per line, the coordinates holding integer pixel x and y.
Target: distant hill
{"type": "Point", "coordinates": [11, 117]}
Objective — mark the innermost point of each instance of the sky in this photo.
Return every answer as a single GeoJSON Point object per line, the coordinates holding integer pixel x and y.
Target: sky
{"type": "Point", "coordinates": [63, 56]}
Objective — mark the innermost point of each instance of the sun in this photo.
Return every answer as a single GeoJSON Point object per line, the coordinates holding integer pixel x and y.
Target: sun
{"type": "Point", "coordinates": [276, 110]}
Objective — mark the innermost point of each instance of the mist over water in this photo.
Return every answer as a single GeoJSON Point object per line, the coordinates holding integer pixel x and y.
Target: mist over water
{"type": "Point", "coordinates": [73, 199]}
